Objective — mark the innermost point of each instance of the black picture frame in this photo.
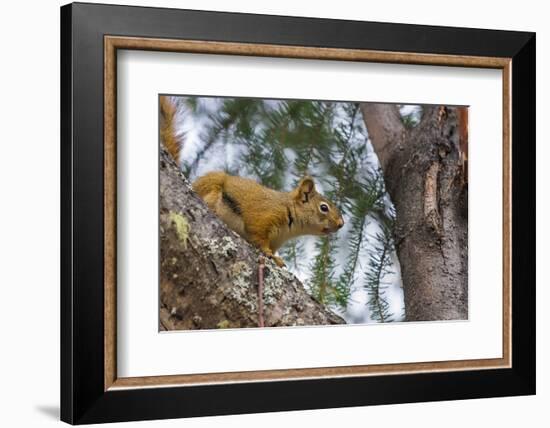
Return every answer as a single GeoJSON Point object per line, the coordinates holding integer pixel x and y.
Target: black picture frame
{"type": "Point", "coordinates": [83, 397]}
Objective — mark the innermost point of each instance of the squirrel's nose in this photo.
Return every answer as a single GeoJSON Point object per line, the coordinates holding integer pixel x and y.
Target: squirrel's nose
{"type": "Point", "coordinates": [340, 223]}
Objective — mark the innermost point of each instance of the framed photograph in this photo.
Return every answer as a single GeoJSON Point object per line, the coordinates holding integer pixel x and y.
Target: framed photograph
{"type": "Point", "coordinates": [266, 213]}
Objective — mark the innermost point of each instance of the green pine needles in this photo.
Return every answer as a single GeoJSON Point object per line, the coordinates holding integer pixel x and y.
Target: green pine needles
{"type": "Point", "coordinates": [277, 142]}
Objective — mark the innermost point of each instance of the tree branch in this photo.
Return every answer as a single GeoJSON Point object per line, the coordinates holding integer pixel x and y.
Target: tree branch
{"type": "Point", "coordinates": [427, 115]}
{"type": "Point", "coordinates": [385, 128]}
{"type": "Point", "coordinates": [209, 274]}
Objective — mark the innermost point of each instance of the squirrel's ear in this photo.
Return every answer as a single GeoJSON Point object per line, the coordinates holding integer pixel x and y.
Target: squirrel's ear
{"type": "Point", "coordinates": [306, 189]}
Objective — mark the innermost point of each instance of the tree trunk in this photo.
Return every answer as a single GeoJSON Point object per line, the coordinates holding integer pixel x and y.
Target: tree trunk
{"type": "Point", "coordinates": [425, 178]}
{"type": "Point", "coordinates": [209, 274]}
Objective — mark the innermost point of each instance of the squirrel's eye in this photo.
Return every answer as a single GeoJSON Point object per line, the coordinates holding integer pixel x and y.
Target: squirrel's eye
{"type": "Point", "coordinates": [323, 208]}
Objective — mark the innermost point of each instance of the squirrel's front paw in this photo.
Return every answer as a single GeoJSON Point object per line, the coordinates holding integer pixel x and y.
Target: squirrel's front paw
{"type": "Point", "coordinates": [278, 261]}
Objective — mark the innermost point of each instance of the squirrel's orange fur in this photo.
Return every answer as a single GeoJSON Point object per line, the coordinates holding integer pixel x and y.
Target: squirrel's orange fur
{"type": "Point", "coordinates": [265, 217]}
{"type": "Point", "coordinates": [171, 140]}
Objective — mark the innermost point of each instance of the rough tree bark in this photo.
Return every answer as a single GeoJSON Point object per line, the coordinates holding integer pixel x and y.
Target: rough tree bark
{"type": "Point", "coordinates": [424, 175]}
{"type": "Point", "coordinates": [209, 274]}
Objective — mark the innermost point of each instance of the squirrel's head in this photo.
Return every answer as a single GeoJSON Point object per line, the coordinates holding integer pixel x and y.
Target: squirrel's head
{"type": "Point", "coordinates": [318, 215]}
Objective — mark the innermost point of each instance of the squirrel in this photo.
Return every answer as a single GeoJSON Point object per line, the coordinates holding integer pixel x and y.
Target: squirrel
{"type": "Point", "coordinates": [264, 217]}
{"type": "Point", "coordinates": [268, 218]}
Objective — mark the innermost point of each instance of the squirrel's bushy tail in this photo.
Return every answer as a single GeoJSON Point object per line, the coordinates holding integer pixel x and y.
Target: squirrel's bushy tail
{"type": "Point", "coordinates": [169, 136]}
{"type": "Point", "coordinates": [211, 182]}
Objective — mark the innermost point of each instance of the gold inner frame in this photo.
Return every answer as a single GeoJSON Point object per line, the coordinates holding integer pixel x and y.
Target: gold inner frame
{"type": "Point", "coordinates": [113, 43]}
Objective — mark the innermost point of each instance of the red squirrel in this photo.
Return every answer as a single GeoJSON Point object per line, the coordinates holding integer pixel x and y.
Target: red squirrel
{"type": "Point", "coordinates": [265, 217]}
